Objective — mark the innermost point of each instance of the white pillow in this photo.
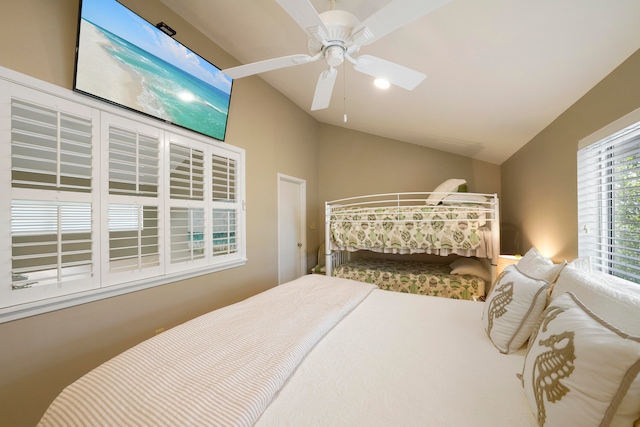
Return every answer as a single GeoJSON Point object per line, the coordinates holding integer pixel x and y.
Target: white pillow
{"type": "Point", "coordinates": [539, 266]}
{"type": "Point", "coordinates": [465, 197]}
{"type": "Point", "coordinates": [449, 186]}
{"type": "Point", "coordinates": [512, 309]}
{"type": "Point", "coordinates": [578, 369]}
{"type": "Point", "coordinates": [463, 266]}
{"type": "Point", "coordinates": [621, 309]}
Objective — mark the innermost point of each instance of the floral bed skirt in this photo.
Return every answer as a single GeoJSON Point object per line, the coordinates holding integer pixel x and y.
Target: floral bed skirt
{"type": "Point", "coordinates": [414, 277]}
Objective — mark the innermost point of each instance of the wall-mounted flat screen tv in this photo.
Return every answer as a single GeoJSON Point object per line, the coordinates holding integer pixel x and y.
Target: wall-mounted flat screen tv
{"type": "Point", "coordinates": [125, 60]}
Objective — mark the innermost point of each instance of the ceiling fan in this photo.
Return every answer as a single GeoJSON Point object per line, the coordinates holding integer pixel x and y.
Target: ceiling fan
{"type": "Point", "coordinates": [336, 35]}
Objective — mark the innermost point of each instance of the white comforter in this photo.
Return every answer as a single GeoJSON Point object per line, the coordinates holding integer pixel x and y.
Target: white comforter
{"type": "Point", "coordinates": [388, 359]}
{"type": "Point", "coordinates": [405, 360]}
{"type": "Point", "coordinates": [222, 368]}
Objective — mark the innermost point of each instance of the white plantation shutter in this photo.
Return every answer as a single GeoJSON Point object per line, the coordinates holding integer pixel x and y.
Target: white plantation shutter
{"type": "Point", "coordinates": [187, 234]}
{"type": "Point", "coordinates": [50, 149]}
{"type": "Point", "coordinates": [187, 203]}
{"type": "Point", "coordinates": [609, 203]}
{"type": "Point", "coordinates": [225, 207]}
{"type": "Point", "coordinates": [133, 163]}
{"type": "Point", "coordinates": [51, 205]}
{"type": "Point", "coordinates": [100, 201]}
{"type": "Point", "coordinates": [224, 178]}
{"type": "Point", "coordinates": [224, 231]}
{"type": "Point", "coordinates": [133, 212]}
{"type": "Point", "coordinates": [187, 173]}
{"type": "Point", "coordinates": [51, 242]}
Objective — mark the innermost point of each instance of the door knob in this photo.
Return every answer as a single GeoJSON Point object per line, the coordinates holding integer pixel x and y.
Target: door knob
{"type": "Point", "coordinates": [299, 245]}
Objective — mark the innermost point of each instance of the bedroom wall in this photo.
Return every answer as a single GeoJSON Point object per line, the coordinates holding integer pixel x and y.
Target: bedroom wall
{"type": "Point", "coordinates": [42, 354]}
{"type": "Point", "coordinates": [538, 183]}
{"type": "Point", "coordinates": [354, 164]}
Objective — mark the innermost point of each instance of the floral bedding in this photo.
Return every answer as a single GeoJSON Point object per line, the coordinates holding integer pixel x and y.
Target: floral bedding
{"type": "Point", "coordinates": [414, 277]}
{"type": "Point", "coordinates": [442, 229]}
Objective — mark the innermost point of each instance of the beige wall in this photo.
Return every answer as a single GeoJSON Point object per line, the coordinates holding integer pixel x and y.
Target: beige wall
{"type": "Point", "coordinates": [538, 183]}
{"type": "Point", "coordinates": [355, 164]}
{"type": "Point", "coordinates": [42, 354]}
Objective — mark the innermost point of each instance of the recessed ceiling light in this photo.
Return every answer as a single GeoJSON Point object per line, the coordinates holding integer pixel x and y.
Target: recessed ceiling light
{"type": "Point", "coordinates": [381, 83]}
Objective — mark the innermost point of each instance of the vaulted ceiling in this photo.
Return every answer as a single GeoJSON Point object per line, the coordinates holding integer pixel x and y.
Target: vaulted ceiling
{"type": "Point", "coordinates": [499, 71]}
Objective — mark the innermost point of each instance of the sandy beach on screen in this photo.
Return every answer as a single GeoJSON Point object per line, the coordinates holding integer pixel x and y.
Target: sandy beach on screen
{"type": "Point", "coordinates": [103, 75]}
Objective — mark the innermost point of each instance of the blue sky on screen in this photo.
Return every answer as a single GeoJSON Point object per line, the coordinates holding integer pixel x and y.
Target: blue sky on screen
{"type": "Point", "coordinates": [116, 18]}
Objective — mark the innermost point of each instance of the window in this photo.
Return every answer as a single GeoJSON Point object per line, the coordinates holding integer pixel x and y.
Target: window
{"type": "Point", "coordinates": [103, 202]}
{"type": "Point", "coordinates": [609, 202]}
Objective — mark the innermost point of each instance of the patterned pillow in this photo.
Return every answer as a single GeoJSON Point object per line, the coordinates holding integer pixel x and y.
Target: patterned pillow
{"type": "Point", "coordinates": [579, 368]}
{"type": "Point", "coordinates": [513, 308]}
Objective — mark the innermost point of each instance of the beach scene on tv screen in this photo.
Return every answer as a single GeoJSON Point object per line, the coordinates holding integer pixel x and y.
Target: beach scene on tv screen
{"type": "Point", "coordinates": [127, 61]}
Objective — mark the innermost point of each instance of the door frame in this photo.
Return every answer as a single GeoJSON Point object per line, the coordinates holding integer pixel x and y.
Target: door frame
{"type": "Point", "coordinates": [302, 185]}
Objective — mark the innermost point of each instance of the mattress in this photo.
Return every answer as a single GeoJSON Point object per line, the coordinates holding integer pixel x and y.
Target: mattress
{"type": "Point", "coordinates": [413, 277]}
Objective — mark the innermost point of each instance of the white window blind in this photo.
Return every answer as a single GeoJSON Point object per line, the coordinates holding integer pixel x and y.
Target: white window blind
{"type": "Point", "coordinates": [609, 203]}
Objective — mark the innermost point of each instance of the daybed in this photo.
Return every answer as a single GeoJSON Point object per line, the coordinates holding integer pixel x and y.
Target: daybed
{"type": "Point", "coordinates": [326, 351]}
{"type": "Point", "coordinates": [441, 223]}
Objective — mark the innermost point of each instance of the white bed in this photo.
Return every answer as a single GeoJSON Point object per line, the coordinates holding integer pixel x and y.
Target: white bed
{"type": "Point", "coordinates": [327, 351]}
{"type": "Point", "coordinates": [405, 360]}
{"type": "Point", "coordinates": [392, 359]}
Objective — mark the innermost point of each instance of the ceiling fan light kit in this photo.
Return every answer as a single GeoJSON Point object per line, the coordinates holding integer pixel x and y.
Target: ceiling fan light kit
{"type": "Point", "coordinates": [336, 35]}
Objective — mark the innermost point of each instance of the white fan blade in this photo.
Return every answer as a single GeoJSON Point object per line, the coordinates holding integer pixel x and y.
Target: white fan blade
{"type": "Point", "coordinates": [394, 73]}
{"type": "Point", "coordinates": [306, 16]}
{"type": "Point", "coordinates": [268, 65]}
{"type": "Point", "coordinates": [324, 88]}
{"type": "Point", "coordinates": [391, 17]}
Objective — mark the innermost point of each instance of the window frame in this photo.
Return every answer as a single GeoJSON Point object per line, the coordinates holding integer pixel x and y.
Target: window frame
{"type": "Point", "coordinates": [35, 300]}
{"type": "Point", "coordinates": [597, 206]}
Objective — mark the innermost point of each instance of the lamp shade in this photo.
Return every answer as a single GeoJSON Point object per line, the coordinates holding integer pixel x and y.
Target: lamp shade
{"type": "Point", "coordinates": [505, 260]}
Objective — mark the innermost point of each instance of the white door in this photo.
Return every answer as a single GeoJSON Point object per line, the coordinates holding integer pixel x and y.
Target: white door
{"type": "Point", "coordinates": [292, 260]}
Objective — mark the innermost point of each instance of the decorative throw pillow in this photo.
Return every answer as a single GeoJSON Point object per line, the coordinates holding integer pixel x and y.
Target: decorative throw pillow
{"type": "Point", "coordinates": [536, 265]}
{"type": "Point", "coordinates": [513, 308]}
{"type": "Point", "coordinates": [463, 266]}
{"type": "Point", "coordinates": [449, 186]}
{"type": "Point", "coordinates": [579, 368]}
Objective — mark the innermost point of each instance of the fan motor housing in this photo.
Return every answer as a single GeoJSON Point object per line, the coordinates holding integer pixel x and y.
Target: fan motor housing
{"type": "Point", "coordinates": [340, 25]}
